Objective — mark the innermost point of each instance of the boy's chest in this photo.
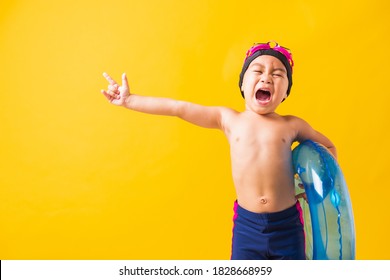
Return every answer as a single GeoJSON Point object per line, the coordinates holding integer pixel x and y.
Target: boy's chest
{"type": "Point", "coordinates": [261, 133]}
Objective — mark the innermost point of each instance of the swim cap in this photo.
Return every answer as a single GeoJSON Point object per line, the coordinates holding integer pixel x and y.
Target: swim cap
{"type": "Point", "coordinates": [281, 53]}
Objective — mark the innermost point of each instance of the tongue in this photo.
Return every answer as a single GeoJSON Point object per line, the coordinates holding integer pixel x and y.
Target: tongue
{"type": "Point", "coordinates": [263, 95]}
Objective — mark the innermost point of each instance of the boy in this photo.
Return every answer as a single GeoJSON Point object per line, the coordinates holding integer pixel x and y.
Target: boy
{"type": "Point", "coordinates": [267, 219]}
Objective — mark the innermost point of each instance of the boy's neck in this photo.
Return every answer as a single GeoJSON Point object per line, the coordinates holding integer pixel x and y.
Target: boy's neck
{"type": "Point", "coordinates": [268, 114]}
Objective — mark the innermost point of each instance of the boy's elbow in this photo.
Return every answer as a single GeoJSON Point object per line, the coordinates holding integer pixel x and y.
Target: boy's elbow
{"type": "Point", "coordinates": [179, 109]}
{"type": "Point", "coordinates": [333, 150]}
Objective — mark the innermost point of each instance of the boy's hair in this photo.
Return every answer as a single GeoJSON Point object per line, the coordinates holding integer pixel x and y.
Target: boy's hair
{"type": "Point", "coordinates": [281, 53]}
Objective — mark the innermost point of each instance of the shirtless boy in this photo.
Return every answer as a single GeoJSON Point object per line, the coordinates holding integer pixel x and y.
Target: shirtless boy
{"type": "Point", "coordinates": [267, 220]}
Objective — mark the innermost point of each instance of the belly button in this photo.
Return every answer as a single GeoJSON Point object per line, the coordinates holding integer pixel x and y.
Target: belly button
{"type": "Point", "coordinates": [263, 200]}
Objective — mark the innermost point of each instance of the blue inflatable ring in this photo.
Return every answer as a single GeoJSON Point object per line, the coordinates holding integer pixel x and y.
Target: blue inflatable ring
{"type": "Point", "coordinates": [327, 212]}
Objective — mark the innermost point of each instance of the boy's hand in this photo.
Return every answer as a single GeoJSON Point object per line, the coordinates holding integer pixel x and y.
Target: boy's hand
{"type": "Point", "coordinates": [116, 94]}
{"type": "Point", "coordinates": [303, 196]}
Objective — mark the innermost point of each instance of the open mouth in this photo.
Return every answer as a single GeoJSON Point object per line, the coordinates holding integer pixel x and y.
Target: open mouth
{"type": "Point", "coordinates": [263, 95]}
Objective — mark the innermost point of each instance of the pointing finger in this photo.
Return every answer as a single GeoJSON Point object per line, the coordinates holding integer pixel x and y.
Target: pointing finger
{"type": "Point", "coordinates": [109, 79]}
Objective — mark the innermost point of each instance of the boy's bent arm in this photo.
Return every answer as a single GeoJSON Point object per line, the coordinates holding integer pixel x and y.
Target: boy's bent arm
{"type": "Point", "coordinates": [320, 138]}
{"type": "Point", "coordinates": [305, 132]}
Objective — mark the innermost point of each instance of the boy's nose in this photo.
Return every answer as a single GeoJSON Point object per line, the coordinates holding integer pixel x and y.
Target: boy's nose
{"type": "Point", "coordinates": [265, 78]}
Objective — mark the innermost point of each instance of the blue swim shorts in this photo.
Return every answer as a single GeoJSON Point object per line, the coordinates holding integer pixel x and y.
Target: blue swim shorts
{"type": "Point", "coordinates": [268, 236]}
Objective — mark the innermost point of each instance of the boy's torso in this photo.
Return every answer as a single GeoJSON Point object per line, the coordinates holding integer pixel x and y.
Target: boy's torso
{"type": "Point", "coordinates": [260, 148]}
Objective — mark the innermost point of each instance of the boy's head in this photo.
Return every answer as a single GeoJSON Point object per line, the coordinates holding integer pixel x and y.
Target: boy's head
{"type": "Point", "coordinates": [273, 49]}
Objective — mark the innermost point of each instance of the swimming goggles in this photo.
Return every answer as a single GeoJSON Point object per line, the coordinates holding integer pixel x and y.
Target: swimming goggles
{"type": "Point", "coordinates": [271, 45]}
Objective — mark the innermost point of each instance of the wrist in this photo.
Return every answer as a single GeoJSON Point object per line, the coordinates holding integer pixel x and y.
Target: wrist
{"type": "Point", "coordinates": [128, 102]}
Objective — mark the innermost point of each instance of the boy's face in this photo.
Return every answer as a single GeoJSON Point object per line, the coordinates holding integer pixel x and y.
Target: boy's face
{"type": "Point", "coordinates": [265, 84]}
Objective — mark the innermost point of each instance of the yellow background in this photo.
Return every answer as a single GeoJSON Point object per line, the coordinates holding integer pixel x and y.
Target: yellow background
{"type": "Point", "coordinates": [82, 179]}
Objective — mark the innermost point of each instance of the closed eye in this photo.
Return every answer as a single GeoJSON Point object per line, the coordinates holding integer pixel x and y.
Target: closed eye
{"type": "Point", "coordinates": [278, 74]}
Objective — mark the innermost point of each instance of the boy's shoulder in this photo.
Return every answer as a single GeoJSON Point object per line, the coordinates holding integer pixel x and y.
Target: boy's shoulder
{"type": "Point", "coordinates": [296, 123]}
{"type": "Point", "coordinates": [292, 118]}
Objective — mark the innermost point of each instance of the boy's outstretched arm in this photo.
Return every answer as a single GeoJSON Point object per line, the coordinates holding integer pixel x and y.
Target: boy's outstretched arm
{"type": "Point", "coordinates": [205, 116]}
